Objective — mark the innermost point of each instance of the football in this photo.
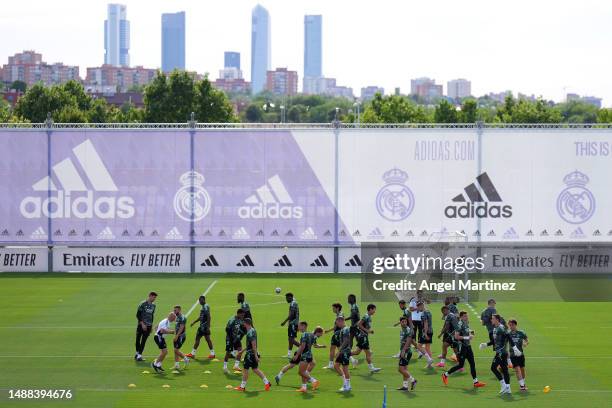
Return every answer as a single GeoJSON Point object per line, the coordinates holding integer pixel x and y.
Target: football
{"type": "Point", "coordinates": [277, 290]}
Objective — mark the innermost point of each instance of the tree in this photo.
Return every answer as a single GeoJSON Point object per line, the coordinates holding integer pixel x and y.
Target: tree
{"type": "Point", "coordinates": [469, 111]}
{"type": "Point", "coordinates": [445, 112]}
{"type": "Point", "coordinates": [604, 115]}
{"type": "Point", "coordinates": [394, 109]}
{"type": "Point", "coordinates": [212, 105]}
{"type": "Point", "coordinates": [40, 100]}
{"type": "Point", "coordinates": [19, 86]}
{"type": "Point", "coordinates": [578, 112]}
{"type": "Point", "coordinates": [253, 113]}
{"type": "Point", "coordinates": [5, 111]}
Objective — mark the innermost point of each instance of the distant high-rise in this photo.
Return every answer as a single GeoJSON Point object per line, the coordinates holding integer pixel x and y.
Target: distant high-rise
{"type": "Point", "coordinates": [117, 36]}
{"type": "Point", "coordinates": [313, 46]}
{"type": "Point", "coordinates": [231, 60]}
{"type": "Point", "coordinates": [173, 41]}
{"type": "Point", "coordinates": [260, 48]}
{"type": "Point", "coordinates": [458, 88]}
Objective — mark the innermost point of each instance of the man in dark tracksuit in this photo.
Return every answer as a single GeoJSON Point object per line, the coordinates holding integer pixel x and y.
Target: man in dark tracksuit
{"type": "Point", "coordinates": [144, 314]}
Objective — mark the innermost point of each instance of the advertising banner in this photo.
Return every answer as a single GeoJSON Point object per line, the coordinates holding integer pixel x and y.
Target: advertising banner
{"type": "Point", "coordinates": [70, 259]}
{"type": "Point", "coordinates": [24, 259]}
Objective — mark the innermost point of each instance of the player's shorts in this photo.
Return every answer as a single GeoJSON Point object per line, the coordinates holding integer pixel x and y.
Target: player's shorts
{"type": "Point", "coordinates": [231, 345]}
{"type": "Point", "coordinates": [160, 341]}
{"type": "Point", "coordinates": [179, 343]}
{"type": "Point", "coordinates": [518, 361]}
{"type": "Point", "coordinates": [344, 357]}
{"type": "Point", "coordinates": [363, 342]}
{"type": "Point", "coordinates": [354, 331]}
{"type": "Point", "coordinates": [418, 327]}
{"type": "Point", "coordinates": [425, 340]}
{"type": "Point", "coordinates": [335, 340]}
{"type": "Point", "coordinates": [403, 362]}
{"type": "Point", "coordinates": [139, 330]}
{"type": "Point", "coordinates": [250, 361]}
{"type": "Point", "coordinates": [203, 331]}
{"type": "Point", "coordinates": [306, 357]}
{"type": "Point", "coordinates": [292, 330]}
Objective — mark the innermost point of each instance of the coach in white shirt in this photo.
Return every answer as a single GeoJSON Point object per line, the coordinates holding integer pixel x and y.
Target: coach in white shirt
{"type": "Point", "coordinates": [162, 328]}
{"type": "Point", "coordinates": [416, 315]}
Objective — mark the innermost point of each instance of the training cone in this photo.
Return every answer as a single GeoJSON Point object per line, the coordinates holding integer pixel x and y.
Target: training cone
{"type": "Point", "coordinates": [131, 385]}
{"type": "Point", "coordinates": [229, 387]}
{"type": "Point", "coordinates": [165, 386]}
{"type": "Point", "coordinates": [203, 386]}
{"type": "Point", "coordinates": [547, 389]}
{"type": "Point", "coordinates": [146, 372]}
{"type": "Point", "coordinates": [176, 372]}
{"type": "Point", "coordinates": [207, 372]}
{"type": "Point", "coordinates": [216, 360]}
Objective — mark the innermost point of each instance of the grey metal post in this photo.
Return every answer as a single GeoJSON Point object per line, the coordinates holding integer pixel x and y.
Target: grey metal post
{"type": "Point", "coordinates": [336, 126]}
{"type": "Point", "coordinates": [49, 126]}
{"type": "Point", "coordinates": [192, 127]}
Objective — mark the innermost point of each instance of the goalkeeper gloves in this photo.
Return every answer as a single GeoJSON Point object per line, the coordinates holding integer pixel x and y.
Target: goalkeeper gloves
{"type": "Point", "coordinates": [516, 351]}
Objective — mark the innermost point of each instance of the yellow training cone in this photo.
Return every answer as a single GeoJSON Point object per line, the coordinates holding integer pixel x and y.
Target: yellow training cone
{"type": "Point", "coordinates": [176, 372]}
{"type": "Point", "coordinates": [203, 386]}
{"type": "Point", "coordinates": [207, 372]}
{"type": "Point", "coordinates": [229, 387]}
{"type": "Point", "coordinates": [165, 386]}
{"type": "Point", "coordinates": [131, 385]}
{"type": "Point", "coordinates": [146, 372]}
{"type": "Point", "coordinates": [547, 389]}
{"type": "Point", "coordinates": [216, 360]}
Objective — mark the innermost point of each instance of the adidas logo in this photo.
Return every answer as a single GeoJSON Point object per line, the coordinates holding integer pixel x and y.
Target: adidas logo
{"type": "Point", "coordinates": [354, 261]}
{"type": "Point", "coordinates": [578, 233]}
{"type": "Point", "coordinates": [376, 233]}
{"type": "Point", "coordinates": [476, 233]}
{"type": "Point", "coordinates": [319, 261]}
{"type": "Point", "coordinates": [210, 261]}
{"type": "Point", "coordinates": [39, 233]}
{"type": "Point", "coordinates": [174, 234]}
{"type": "Point", "coordinates": [106, 233]}
{"type": "Point", "coordinates": [529, 233]}
{"type": "Point", "coordinates": [308, 234]}
{"type": "Point", "coordinates": [246, 261]}
{"type": "Point", "coordinates": [5, 233]}
{"type": "Point", "coordinates": [64, 205]}
{"type": "Point", "coordinates": [473, 196]}
{"type": "Point", "coordinates": [597, 233]}
{"type": "Point", "coordinates": [510, 234]}
{"type": "Point", "coordinates": [241, 233]}
{"type": "Point", "coordinates": [272, 200]}
{"type": "Point", "coordinates": [558, 233]}
{"type": "Point", "coordinates": [283, 261]}
{"type": "Point", "coordinates": [491, 233]}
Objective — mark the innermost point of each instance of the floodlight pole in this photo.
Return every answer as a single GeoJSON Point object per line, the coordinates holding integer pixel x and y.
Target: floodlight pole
{"type": "Point", "coordinates": [192, 129]}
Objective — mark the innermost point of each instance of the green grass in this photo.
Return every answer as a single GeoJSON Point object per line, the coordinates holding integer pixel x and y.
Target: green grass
{"type": "Point", "coordinates": [77, 331]}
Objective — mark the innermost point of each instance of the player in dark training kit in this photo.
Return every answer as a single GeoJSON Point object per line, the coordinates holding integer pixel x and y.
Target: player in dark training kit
{"type": "Point", "coordinates": [180, 325]}
{"type": "Point", "coordinates": [518, 362]}
{"type": "Point", "coordinates": [344, 354]}
{"type": "Point", "coordinates": [244, 306]}
{"type": "Point", "coordinates": [304, 356]}
{"type": "Point", "coordinates": [447, 333]}
{"type": "Point", "coordinates": [145, 314]}
{"type": "Point", "coordinates": [363, 339]}
{"type": "Point", "coordinates": [501, 339]}
{"type": "Point", "coordinates": [251, 358]}
{"type": "Point", "coordinates": [234, 331]}
{"type": "Point", "coordinates": [203, 329]}
{"type": "Point", "coordinates": [355, 317]}
{"type": "Point", "coordinates": [426, 332]}
{"type": "Point", "coordinates": [485, 317]}
{"type": "Point", "coordinates": [463, 335]}
{"type": "Point", "coordinates": [406, 337]}
{"type": "Point", "coordinates": [335, 339]}
{"type": "Point", "coordinates": [292, 319]}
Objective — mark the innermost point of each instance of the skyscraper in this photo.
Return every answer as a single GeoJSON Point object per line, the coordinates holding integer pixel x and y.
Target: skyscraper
{"type": "Point", "coordinates": [231, 60]}
{"type": "Point", "coordinates": [117, 36]}
{"type": "Point", "coordinates": [173, 41]}
{"type": "Point", "coordinates": [260, 48]}
{"type": "Point", "coordinates": [312, 46]}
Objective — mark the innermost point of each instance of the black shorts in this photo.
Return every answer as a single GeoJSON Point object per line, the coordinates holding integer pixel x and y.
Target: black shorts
{"type": "Point", "coordinates": [160, 341]}
{"type": "Point", "coordinates": [292, 330]}
{"type": "Point", "coordinates": [446, 338]}
{"type": "Point", "coordinates": [335, 340]}
{"type": "Point", "coordinates": [518, 361]}
{"type": "Point", "coordinates": [354, 331]}
{"type": "Point", "coordinates": [231, 345]}
{"type": "Point", "coordinates": [344, 357]}
{"type": "Point", "coordinates": [363, 342]}
{"type": "Point", "coordinates": [179, 343]}
{"type": "Point", "coordinates": [424, 340]}
{"type": "Point", "coordinates": [306, 358]}
{"type": "Point", "coordinates": [403, 362]}
{"type": "Point", "coordinates": [203, 331]}
{"type": "Point", "coordinates": [418, 328]}
{"type": "Point", "coordinates": [139, 330]}
{"type": "Point", "coordinates": [250, 361]}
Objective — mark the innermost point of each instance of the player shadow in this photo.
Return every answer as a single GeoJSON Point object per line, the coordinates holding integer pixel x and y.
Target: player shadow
{"type": "Point", "coordinates": [251, 394]}
{"type": "Point", "coordinates": [346, 394]}
{"type": "Point", "coordinates": [367, 377]}
{"type": "Point", "coordinates": [429, 371]}
{"type": "Point", "coordinates": [407, 394]}
{"type": "Point", "coordinates": [470, 391]}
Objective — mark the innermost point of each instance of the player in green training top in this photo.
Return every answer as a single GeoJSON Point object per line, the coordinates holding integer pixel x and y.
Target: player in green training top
{"type": "Point", "coordinates": [304, 355]}
{"type": "Point", "coordinates": [293, 319]}
{"type": "Point", "coordinates": [180, 325]}
{"type": "Point", "coordinates": [234, 331]}
{"type": "Point", "coordinates": [344, 354]}
{"type": "Point", "coordinates": [426, 332]}
{"type": "Point", "coordinates": [251, 358]}
{"type": "Point", "coordinates": [463, 335]}
{"type": "Point", "coordinates": [500, 342]}
{"type": "Point", "coordinates": [244, 306]}
{"type": "Point", "coordinates": [145, 314]}
{"type": "Point", "coordinates": [363, 340]}
{"type": "Point", "coordinates": [518, 362]}
{"type": "Point", "coordinates": [355, 317]}
{"type": "Point", "coordinates": [406, 338]}
{"type": "Point", "coordinates": [447, 333]}
{"type": "Point", "coordinates": [335, 338]}
{"type": "Point", "coordinates": [485, 317]}
{"type": "Point", "coordinates": [203, 329]}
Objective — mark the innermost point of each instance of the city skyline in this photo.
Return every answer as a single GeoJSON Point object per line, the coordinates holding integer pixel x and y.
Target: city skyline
{"type": "Point", "coordinates": [517, 51]}
{"type": "Point", "coordinates": [173, 41]}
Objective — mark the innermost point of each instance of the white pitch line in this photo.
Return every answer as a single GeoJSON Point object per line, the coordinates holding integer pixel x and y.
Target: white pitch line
{"type": "Point", "coordinates": [203, 294]}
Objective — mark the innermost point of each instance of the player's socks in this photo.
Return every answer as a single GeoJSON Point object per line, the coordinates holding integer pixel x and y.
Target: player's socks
{"type": "Point", "coordinates": [225, 366]}
{"type": "Point", "coordinates": [330, 364]}
{"type": "Point", "coordinates": [413, 382]}
{"type": "Point", "coordinates": [280, 374]}
{"type": "Point", "coordinates": [503, 386]}
{"type": "Point", "coordinates": [289, 353]}
{"type": "Point", "coordinates": [521, 382]}
{"type": "Point", "coordinates": [236, 364]}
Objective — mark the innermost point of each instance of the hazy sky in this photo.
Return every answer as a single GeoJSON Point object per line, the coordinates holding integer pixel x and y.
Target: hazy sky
{"type": "Point", "coordinates": [542, 47]}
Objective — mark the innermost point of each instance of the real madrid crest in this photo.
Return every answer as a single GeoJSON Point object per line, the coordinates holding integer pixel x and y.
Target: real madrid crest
{"type": "Point", "coordinates": [576, 203]}
{"type": "Point", "coordinates": [395, 200]}
{"type": "Point", "coordinates": [191, 201]}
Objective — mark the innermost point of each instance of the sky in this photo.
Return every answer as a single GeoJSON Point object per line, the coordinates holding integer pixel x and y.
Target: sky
{"type": "Point", "coordinates": [542, 47]}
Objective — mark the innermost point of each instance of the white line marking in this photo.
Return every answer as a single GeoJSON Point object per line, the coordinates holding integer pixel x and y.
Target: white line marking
{"type": "Point", "coordinates": [203, 294]}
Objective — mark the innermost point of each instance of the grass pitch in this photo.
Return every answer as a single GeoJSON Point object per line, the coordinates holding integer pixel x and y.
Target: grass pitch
{"type": "Point", "coordinates": [77, 332]}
